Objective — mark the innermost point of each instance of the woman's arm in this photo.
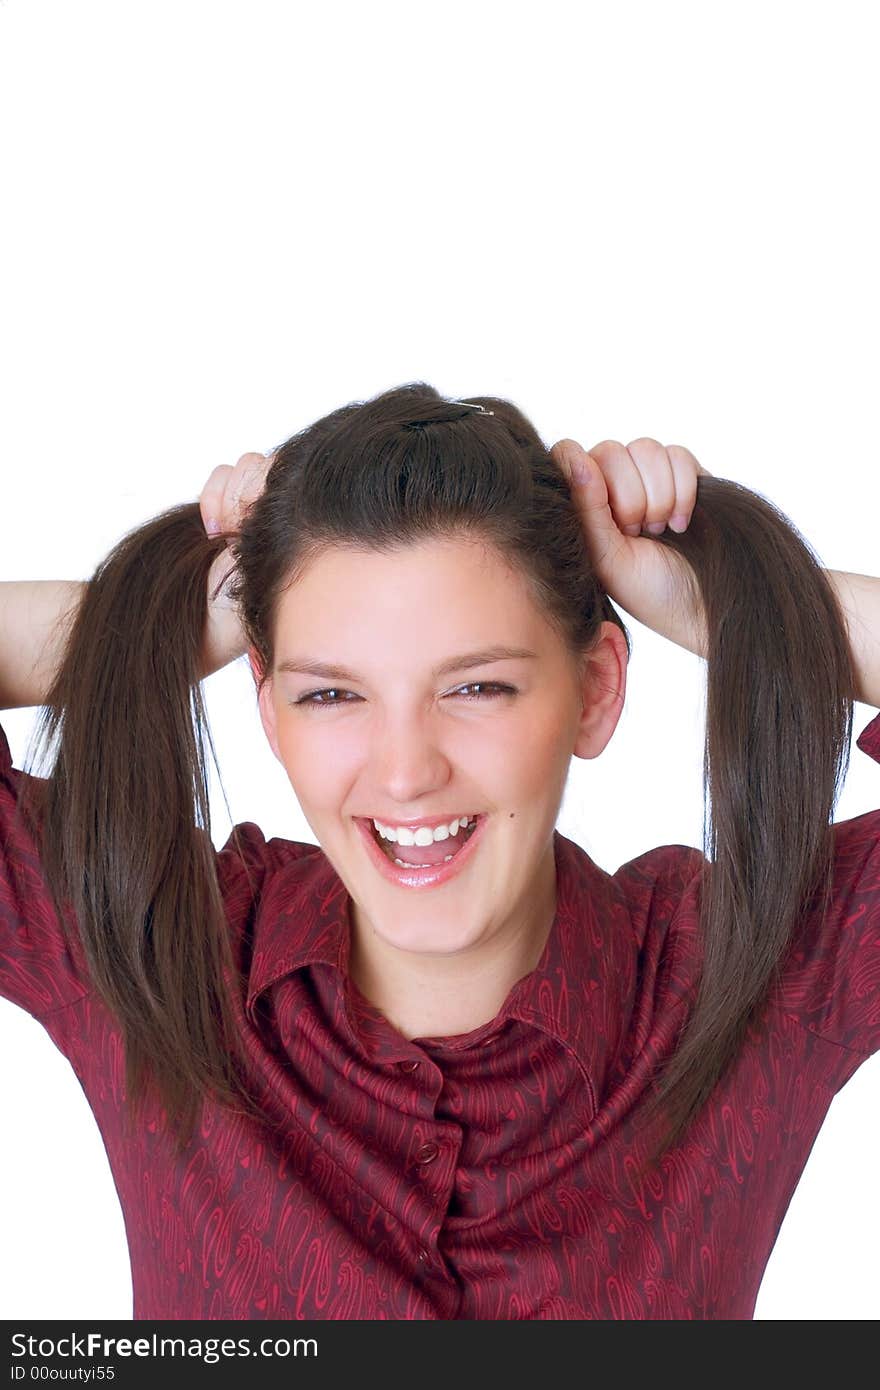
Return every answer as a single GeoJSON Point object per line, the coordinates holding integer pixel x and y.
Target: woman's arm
{"type": "Point", "coordinates": [35, 617]}
{"type": "Point", "coordinates": [859, 596]}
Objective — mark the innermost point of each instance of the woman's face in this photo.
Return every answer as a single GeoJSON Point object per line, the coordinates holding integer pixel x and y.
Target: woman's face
{"type": "Point", "coordinates": [409, 730]}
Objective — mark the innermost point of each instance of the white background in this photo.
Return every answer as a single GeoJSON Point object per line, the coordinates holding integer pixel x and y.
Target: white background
{"type": "Point", "coordinates": [221, 220]}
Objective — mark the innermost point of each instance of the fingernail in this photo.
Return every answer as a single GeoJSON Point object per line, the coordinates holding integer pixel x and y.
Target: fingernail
{"type": "Point", "coordinates": [655, 527]}
{"type": "Point", "coordinates": [579, 469]}
{"type": "Point", "coordinates": [678, 523]}
{"type": "Point", "coordinates": [632, 530]}
{"type": "Point", "coordinates": [212, 526]}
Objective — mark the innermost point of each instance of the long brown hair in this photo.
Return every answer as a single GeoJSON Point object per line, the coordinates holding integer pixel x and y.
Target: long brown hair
{"type": "Point", "coordinates": [125, 814]}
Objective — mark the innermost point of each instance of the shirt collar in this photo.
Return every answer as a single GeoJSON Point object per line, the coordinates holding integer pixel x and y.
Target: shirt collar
{"type": "Point", "coordinates": [581, 991]}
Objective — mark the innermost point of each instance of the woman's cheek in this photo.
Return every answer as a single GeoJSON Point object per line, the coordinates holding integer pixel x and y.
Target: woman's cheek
{"type": "Point", "coordinates": [316, 751]}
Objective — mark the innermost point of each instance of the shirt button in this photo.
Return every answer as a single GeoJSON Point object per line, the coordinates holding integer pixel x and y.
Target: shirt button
{"type": "Point", "coordinates": [427, 1153]}
{"type": "Point", "coordinates": [409, 1065]}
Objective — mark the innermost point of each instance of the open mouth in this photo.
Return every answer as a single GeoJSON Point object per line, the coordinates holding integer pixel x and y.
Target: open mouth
{"type": "Point", "coordinates": [423, 866]}
{"type": "Point", "coordinates": [421, 856]}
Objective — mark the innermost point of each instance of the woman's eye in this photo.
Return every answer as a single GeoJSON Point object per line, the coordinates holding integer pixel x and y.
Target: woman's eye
{"type": "Point", "coordinates": [312, 698]}
{"type": "Point", "coordinates": [319, 699]}
{"type": "Point", "coordinates": [493, 690]}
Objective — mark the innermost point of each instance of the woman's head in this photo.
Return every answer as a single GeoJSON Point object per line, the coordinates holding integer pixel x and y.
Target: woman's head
{"type": "Point", "coordinates": [385, 549]}
{"type": "Point", "coordinates": [384, 702]}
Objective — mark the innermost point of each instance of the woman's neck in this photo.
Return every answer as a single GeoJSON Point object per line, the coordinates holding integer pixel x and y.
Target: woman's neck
{"type": "Point", "coordinates": [426, 996]}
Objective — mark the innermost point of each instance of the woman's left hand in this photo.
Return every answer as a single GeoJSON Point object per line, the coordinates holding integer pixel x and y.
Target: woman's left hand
{"type": "Point", "coordinates": [621, 491]}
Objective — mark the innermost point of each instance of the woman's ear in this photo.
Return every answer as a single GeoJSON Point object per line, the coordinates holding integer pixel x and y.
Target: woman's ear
{"type": "Point", "coordinates": [256, 664]}
{"type": "Point", "coordinates": [265, 701]}
{"type": "Point", "coordinates": [602, 692]}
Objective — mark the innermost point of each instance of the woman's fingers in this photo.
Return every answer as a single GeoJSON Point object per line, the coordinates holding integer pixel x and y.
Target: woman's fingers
{"type": "Point", "coordinates": [619, 491]}
{"type": "Point", "coordinates": [244, 486]}
{"type": "Point", "coordinates": [211, 498]}
{"type": "Point", "coordinates": [590, 488]}
{"type": "Point", "coordinates": [637, 481]}
{"type": "Point", "coordinates": [641, 483]}
{"type": "Point", "coordinates": [686, 470]}
{"type": "Point", "coordinates": [650, 485]}
{"type": "Point", "coordinates": [230, 491]}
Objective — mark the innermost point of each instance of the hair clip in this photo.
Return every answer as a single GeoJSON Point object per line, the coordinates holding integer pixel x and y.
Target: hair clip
{"type": "Point", "coordinates": [421, 424]}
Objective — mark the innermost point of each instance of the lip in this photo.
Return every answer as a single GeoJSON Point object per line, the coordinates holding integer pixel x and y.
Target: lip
{"type": "Point", "coordinates": [432, 875]}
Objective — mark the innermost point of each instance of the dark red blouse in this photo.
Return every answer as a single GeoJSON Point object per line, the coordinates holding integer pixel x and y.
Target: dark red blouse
{"type": "Point", "coordinates": [487, 1175]}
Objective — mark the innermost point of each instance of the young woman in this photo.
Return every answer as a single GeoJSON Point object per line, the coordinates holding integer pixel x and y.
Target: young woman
{"type": "Point", "coordinates": [443, 1065]}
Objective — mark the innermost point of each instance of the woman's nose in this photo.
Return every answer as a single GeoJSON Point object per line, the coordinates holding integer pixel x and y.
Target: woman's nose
{"type": "Point", "coordinates": [407, 760]}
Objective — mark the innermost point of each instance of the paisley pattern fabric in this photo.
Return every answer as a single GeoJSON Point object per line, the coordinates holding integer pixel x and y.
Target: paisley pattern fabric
{"type": "Point", "coordinates": [490, 1175]}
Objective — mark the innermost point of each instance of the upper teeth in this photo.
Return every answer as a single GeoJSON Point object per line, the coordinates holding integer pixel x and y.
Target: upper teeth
{"type": "Point", "coordinates": [424, 834]}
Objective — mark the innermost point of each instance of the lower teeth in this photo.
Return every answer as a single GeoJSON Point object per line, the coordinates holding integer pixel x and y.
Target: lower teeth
{"type": "Point", "coordinates": [403, 864]}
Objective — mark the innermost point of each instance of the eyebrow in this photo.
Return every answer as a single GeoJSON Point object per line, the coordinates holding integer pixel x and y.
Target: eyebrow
{"type": "Point", "coordinates": [301, 665]}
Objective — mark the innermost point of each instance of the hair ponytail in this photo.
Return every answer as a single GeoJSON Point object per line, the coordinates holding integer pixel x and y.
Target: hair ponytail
{"type": "Point", "coordinates": [125, 820]}
{"type": "Point", "coordinates": [780, 686]}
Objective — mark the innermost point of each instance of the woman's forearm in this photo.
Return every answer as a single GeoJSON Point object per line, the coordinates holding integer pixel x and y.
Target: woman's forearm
{"type": "Point", "coordinates": [859, 596]}
{"type": "Point", "coordinates": [35, 619]}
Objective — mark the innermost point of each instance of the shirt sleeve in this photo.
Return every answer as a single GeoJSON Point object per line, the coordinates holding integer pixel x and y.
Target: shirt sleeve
{"type": "Point", "coordinates": [42, 965]}
{"type": "Point", "coordinates": [831, 983]}
{"type": "Point", "coordinates": [37, 969]}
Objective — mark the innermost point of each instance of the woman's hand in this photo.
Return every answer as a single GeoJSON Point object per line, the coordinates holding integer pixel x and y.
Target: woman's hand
{"type": "Point", "coordinates": [229, 492]}
{"type": "Point", "coordinates": [621, 491]}
{"type": "Point", "coordinates": [224, 500]}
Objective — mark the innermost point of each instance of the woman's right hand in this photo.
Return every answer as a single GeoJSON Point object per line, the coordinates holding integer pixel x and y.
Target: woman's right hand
{"type": "Point", "coordinates": [229, 492]}
{"type": "Point", "coordinates": [223, 502]}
